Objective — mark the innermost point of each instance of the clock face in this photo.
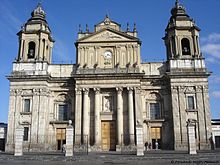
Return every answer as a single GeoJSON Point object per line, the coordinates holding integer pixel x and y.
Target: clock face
{"type": "Point", "coordinates": [108, 54]}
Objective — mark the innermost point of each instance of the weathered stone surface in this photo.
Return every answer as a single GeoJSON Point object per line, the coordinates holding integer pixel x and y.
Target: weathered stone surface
{"type": "Point", "coordinates": [109, 83]}
{"type": "Point", "coordinates": [19, 133]}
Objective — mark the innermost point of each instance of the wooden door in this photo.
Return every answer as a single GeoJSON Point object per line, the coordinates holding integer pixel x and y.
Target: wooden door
{"type": "Point", "coordinates": [108, 136]}
{"type": "Point", "coordinates": [156, 137]}
{"type": "Point", "coordinates": [61, 137]}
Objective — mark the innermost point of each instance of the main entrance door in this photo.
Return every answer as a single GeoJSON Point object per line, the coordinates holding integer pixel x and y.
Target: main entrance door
{"type": "Point", "coordinates": [61, 138]}
{"type": "Point", "coordinates": [108, 136]}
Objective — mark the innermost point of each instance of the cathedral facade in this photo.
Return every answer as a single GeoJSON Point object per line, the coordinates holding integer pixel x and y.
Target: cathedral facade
{"type": "Point", "coordinates": [109, 92]}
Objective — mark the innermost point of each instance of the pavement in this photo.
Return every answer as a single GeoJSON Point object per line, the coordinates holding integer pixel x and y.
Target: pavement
{"type": "Point", "coordinates": [153, 157]}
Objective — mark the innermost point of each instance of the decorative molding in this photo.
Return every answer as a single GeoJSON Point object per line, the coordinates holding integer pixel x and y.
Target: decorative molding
{"type": "Point", "coordinates": [181, 89]}
{"type": "Point", "coordinates": [97, 90]}
{"type": "Point", "coordinates": [130, 89]}
{"type": "Point", "coordinates": [27, 92]}
{"type": "Point", "coordinates": [78, 91]}
{"type": "Point", "coordinates": [119, 89]}
{"type": "Point", "coordinates": [154, 96]}
{"type": "Point", "coordinates": [13, 92]}
{"type": "Point", "coordinates": [107, 36]}
{"type": "Point", "coordinates": [18, 91]}
{"type": "Point", "coordinates": [85, 90]}
{"type": "Point", "coordinates": [199, 88]}
{"type": "Point", "coordinates": [138, 90]}
{"type": "Point", "coordinates": [36, 91]}
{"type": "Point", "coordinates": [205, 89]}
{"type": "Point", "coordinates": [62, 98]}
{"type": "Point", "coordinates": [44, 92]}
{"type": "Point", "coordinates": [174, 89]}
{"type": "Point", "coordinates": [190, 89]}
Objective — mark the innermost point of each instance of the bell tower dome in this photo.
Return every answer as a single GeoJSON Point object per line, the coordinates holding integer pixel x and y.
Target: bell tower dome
{"type": "Point", "coordinates": [182, 35]}
{"type": "Point", "coordinates": [35, 40]}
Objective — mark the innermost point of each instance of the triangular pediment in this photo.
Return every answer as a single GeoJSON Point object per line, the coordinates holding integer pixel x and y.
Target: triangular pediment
{"type": "Point", "coordinates": [107, 35]}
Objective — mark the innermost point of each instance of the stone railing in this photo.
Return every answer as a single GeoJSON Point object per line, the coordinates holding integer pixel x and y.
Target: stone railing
{"type": "Point", "coordinates": [187, 64]}
{"type": "Point", "coordinates": [36, 68]}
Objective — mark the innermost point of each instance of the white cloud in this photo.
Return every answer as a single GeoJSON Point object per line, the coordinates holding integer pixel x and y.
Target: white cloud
{"type": "Point", "coordinates": [212, 49]}
{"type": "Point", "coordinates": [216, 94]}
{"type": "Point", "coordinates": [214, 37]}
{"type": "Point", "coordinates": [210, 46]}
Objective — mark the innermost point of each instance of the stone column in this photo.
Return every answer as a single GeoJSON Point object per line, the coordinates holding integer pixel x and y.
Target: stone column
{"type": "Point", "coordinates": [191, 136]}
{"type": "Point", "coordinates": [21, 53]}
{"type": "Point", "coordinates": [176, 117]}
{"type": "Point", "coordinates": [97, 117]}
{"type": "Point", "coordinates": [69, 140]}
{"type": "Point", "coordinates": [86, 115]}
{"type": "Point", "coordinates": [19, 133]}
{"type": "Point", "coordinates": [182, 115]}
{"type": "Point", "coordinates": [139, 140]}
{"type": "Point", "coordinates": [78, 115]}
{"type": "Point", "coordinates": [134, 54]}
{"type": "Point", "coordinates": [201, 118]}
{"type": "Point", "coordinates": [138, 55]}
{"type": "Point", "coordinates": [177, 52]}
{"type": "Point", "coordinates": [131, 114]}
{"type": "Point", "coordinates": [11, 120]}
{"type": "Point", "coordinates": [119, 115]}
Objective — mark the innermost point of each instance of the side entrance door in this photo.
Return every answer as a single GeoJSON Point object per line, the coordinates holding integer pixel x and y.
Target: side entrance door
{"type": "Point", "coordinates": [108, 136]}
{"type": "Point", "coordinates": [61, 138]}
{"type": "Point", "coordinates": [156, 137]}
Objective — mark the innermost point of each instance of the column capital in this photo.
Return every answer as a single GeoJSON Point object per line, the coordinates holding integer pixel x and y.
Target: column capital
{"type": "Point", "coordinates": [138, 90]}
{"type": "Point", "coordinates": [199, 89]}
{"type": "Point", "coordinates": [205, 89]}
{"type": "Point", "coordinates": [119, 89]}
{"type": "Point", "coordinates": [97, 90]}
{"type": "Point", "coordinates": [78, 91]}
{"type": "Point", "coordinates": [97, 47]}
{"type": "Point", "coordinates": [44, 91]}
{"type": "Point", "coordinates": [13, 92]}
{"type": "Point", "coordinates": [130, 89]}
{"type": "Point", "coordinates": [85, 90]}
{"type": "Point", "coordinates": [174, 89]}
{"type": "Point", "coordinates": [36, 91]}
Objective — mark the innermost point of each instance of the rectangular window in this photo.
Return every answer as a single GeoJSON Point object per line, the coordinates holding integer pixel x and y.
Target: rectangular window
{"type": "Point", "coordinates": [191, 104]}
{"type": "Point", "coordinates": [25, 137]}
{"type": "Point", "coordinates": [27, 105]}
{"type": "Point", "coordinates": [154, 111]}
{"type": "Point", "coordinates": [62, 116]}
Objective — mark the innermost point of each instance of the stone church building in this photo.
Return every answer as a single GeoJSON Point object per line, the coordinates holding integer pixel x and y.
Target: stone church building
{"type": "Point", "coordinates": [109, 92]}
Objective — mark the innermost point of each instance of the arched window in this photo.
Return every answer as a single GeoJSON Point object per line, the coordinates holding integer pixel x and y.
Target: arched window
{"type": "Point", "coordinates": [62, 107]}
{"type": "Point", "coordinates": [154, 106]}
{"type": "Point", "coordinates": [31, 49]}
{"type": "Point", "coordinates": [185, 46]}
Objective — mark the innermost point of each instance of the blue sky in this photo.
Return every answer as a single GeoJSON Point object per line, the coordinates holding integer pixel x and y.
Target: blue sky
{"type": "Point", "coordinates": [151, 17]}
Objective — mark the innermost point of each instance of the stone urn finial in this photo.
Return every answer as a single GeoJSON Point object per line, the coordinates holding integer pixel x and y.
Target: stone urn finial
{"type": "Point", "coordinates": [70, 122]}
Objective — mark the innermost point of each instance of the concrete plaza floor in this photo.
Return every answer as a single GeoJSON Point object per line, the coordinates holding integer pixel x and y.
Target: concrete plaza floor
{"type": "Point", "coordinates": [113, 158]}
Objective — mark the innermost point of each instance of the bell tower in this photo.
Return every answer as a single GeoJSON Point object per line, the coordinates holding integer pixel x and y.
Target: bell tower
{"type": "Point", "coordinates": [35, 40]}
{"type": "Point", "coordinates": [182, 35]}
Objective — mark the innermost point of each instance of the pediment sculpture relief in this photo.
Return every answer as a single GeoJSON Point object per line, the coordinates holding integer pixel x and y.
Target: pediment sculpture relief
{"type": "Point", "coordinates": [106, 36]}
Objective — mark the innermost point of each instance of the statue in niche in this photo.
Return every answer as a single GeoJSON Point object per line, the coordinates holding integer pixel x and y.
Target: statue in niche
{"type": "Point", "coordinates": [107, 104]}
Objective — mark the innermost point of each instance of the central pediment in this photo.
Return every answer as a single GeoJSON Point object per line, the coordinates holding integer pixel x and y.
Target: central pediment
{"type": "Point", "coordinates": [107, 35]}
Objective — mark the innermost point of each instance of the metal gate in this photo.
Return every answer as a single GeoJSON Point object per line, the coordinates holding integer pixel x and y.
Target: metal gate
{"type": "Point", "coordinates": [81, 144]}
{"type": "Point", "coordinates": [128, 146]}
